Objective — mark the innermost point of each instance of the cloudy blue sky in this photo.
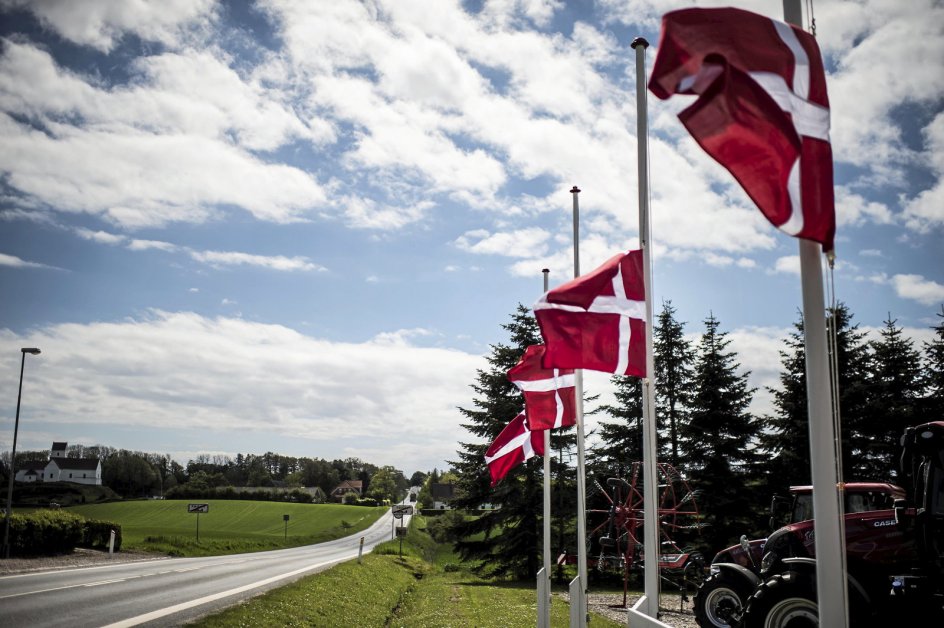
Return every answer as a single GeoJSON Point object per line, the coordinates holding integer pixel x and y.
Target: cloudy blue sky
{"type": "Point", "coordinates": [297, 226]}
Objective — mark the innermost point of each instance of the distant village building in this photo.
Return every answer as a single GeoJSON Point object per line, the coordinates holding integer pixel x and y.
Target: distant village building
{"type": "Point", "coordinates": [347, 486]}
{"type": "Point", "coordinates": [59, 468]}
{"type": "Point", "coordinates": [442, 494]}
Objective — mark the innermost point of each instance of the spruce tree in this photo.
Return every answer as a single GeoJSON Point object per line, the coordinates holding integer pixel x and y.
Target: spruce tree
{"type": "Point", "coordinates": [932, 408]}
{"type": "Point", "coordinates": [895, 389]}
{"type": "Point", "coordinates": [721, 432]}
{"type": "Point", "coordinates": [620, 434]}
{"type": "Point", "coordinates": [504, 541]}
{"type": "Point", "coordinates": [673, 361]}
{"type": "Point", "coordinates": [786, 437]}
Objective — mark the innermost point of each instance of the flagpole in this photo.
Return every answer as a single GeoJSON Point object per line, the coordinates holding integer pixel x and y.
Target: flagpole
{"type": "Point", "coordinates": [831, 589]}
{"type": "Point", "coordinates": [649, 469]}
{"type": "Point", "coordinates": [545, 619]}
{"type": "Point", "coordinates": [581, 469]}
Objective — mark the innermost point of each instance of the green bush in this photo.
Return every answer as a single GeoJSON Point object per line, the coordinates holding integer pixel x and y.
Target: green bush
{"type": "Point", "coordinates": [442, 527]}
{"type": "Point", "coordinates": [97, 533]}
{"type": "Point", "coordinates": [44, 532]}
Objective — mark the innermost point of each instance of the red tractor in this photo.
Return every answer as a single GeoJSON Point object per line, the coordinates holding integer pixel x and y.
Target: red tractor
{"type": "Point", "coordinates": [735, 572]}
{"type": "Point", "coordinates": [894, 559]}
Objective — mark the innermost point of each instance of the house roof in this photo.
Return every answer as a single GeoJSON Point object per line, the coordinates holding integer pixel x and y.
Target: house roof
{"type": "Point", "coordinates": [351, 484]}
{"type": "Point", "coordinates": [34, 465]}
{"type": "Point", "coordinates": [76, 464]}
{"type": "Point", "coordinates": [59, 446]}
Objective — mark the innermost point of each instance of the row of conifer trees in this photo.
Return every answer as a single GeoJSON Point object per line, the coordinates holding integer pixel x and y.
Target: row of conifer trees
{"type": "Point", "coordinates": [734, 460]}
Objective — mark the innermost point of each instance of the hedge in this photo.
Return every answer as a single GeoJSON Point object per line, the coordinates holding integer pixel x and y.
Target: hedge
{"type": "Point", "coordinates": [184, 491]}
{"type": "Point", "coordinates": [47, 532]}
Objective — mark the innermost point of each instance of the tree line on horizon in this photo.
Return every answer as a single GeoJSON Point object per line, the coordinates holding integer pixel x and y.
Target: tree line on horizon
{"type": "Point", "coordinates": [141, 474]}
{"type": "Point", "coordinates": [733, 459]}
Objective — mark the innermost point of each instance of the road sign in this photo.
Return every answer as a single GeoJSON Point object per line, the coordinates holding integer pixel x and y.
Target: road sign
{"type": "Point", "coordinates": [284, 517]}
{"type": "Point", "coordinates": [402, 509]}
{"type": "Point", "coordinates": [198, 508]}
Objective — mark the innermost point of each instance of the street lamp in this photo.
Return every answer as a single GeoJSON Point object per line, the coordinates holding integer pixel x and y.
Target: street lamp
{"type": "Point", "coordinates": [12, 469]}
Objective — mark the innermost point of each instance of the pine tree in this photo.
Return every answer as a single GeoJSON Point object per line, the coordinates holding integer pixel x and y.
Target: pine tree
{"type": "Point", "coordinates": [933, 404]}
{"type": "Point", "coordinates": [721, 432]}
{"type": "Point", "coordinates": [786, 437]}
{"type": "Point", "coordinates": [505, 541]}
{"type": "Point", "coordinates": [895, 390]}
{"type": "Point", "coordinates": [852, 366]}
{"type": "Point", "coordinates": [620, 439]}
{"type": "Point", "coordinates": [673, 361]}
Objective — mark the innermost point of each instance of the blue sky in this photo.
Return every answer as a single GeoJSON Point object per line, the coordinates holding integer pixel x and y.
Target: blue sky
{"type": "Point", "coordinates": [297, 226]}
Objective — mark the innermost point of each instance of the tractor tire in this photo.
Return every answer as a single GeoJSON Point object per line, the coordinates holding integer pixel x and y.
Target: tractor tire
{"type": "Point", "coordinates": [786, 600]}
{"type": "Point", "coordinates": [720, 599]}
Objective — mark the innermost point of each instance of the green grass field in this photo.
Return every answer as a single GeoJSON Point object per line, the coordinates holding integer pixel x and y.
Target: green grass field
{"type": "Point", "coordinates": [415, 591]}
{"type": "Point", "coordinates": [231, 526]}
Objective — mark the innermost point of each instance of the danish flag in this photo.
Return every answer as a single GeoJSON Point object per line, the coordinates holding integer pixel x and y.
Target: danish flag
{"type": "Point", "coordinates": [549, 394]}
{"type": "Point", "coordinates": [762, 110]}
{"type": "Point", "coordinates": [514, 445]}
{"type": "Point", "coordinates": [598, 320]}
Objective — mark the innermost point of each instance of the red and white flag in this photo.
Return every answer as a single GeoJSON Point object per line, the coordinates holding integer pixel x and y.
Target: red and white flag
{"type": "Point", "coordinates": [762, 110]}
{"type": "Point", "coordinates": [514, 445]}
{"type": "Point", "coordinates": [549, 394]}
{"type": "Point", "coordinates": [597, 321]}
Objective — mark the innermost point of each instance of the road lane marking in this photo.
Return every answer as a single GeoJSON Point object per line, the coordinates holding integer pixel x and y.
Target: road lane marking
{"type": "Point", "coordinates": [170, 610]}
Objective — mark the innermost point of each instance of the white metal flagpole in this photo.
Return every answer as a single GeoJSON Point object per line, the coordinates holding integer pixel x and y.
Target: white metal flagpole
{"type": "Point", "coordinates": [581, 469]}
{"type": "Point", "coordinates": [650, 475]}
{"type": "Point", "coordinates": [831, 587]}
{"type": "Point", "coordinates": [544, 619]}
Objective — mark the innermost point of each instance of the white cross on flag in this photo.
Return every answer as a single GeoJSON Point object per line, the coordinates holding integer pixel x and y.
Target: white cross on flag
{"type": "Point", "coordinates": [549, 394]}
{"type": "Point", "coordinates": [762, 110]}
{"type": "Point", "coordinates": [597, 321]}
{"type": "Point", "coordinates": [514, 445]}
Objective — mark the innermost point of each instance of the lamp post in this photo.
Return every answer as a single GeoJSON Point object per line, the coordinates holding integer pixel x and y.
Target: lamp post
{"type": "Point", "coordinates": [12, 470]}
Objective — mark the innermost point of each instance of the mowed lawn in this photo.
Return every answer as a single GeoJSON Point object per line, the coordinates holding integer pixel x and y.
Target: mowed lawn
{"type": "Point", "coordinates": [229, 526]}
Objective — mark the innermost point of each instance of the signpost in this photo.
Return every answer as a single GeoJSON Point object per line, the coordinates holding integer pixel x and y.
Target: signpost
{"type": "Point", "coordinates": [399, 510]}
{"type": "Point", "coordinates": [285, 519]}
{"type": "Point", "coordinates": [198, 508]}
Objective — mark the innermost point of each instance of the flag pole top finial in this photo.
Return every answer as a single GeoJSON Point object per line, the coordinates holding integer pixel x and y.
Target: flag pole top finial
{"type": "Point", "coordinates": [639, 41]}
{"type": "Point", "coordinates": [575, 190]}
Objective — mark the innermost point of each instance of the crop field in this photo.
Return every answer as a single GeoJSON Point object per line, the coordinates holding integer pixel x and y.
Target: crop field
{"type": "Point", "coordinates": [230, 526]}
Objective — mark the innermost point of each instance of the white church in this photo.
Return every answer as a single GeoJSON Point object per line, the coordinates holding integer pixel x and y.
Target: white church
{"type": "Point", "coordinates": [59, 468]}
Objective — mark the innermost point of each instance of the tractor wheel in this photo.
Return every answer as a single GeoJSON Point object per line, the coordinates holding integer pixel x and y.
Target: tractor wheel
{"type": "Point", "coordinates": [720, 599]}
{"type": "Point", "coordinates": [786, 600]}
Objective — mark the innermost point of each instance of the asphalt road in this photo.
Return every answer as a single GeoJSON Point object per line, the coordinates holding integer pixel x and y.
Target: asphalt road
{"type": "Point", "coordinates": [167, 592]}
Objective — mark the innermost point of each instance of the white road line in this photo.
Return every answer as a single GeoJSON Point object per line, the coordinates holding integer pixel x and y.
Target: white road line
{"type": "Point", "coordinates": [170, 610]}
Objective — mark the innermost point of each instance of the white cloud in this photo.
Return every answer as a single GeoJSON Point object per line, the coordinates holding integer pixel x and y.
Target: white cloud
{"type": "Point", "coordinates": [366, 213]}
{"type": "Point", "coordinates": [272, 262]}
{"type": "Point", "coordinates": [101, 237]}
{"type": "Point", "coordinates": [918, 288]}
{"type": "Point", "coordinates": [100, 23]}
{"type": "Point", "coordinates": [788, 264]}
{"type": "Point", "coordinates": [758, 351]}
{"type": "Point", "coordinates": [146, 245]}
{"type": "Point", "coordinates": [16, 262]}
{"type": "Point", "coordinates": [522, 243]}
{"type": "Point", "coordinates": [925, 211]}
{"type": "Point", "coordinates": [854, 210]}
{"type": "Point", "coordinates": [184, 371]}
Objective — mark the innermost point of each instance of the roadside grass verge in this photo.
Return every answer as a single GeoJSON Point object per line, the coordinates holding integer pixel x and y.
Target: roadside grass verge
{"type": "Point", "coordinates": [349, 594]}
{"type": "Point", "coordinates": [230, 526]}
{"type": "Point", "coordinates": [425, 588]}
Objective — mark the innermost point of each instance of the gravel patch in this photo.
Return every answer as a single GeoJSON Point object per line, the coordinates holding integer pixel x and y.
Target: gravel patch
{"type": "Point", "coordinates": [672, 609]}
